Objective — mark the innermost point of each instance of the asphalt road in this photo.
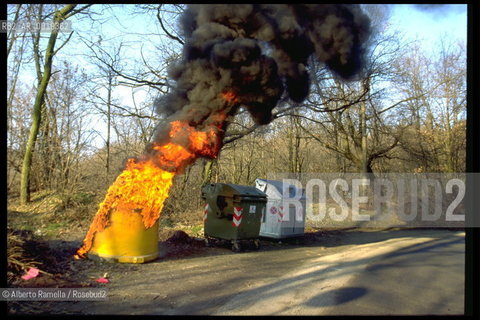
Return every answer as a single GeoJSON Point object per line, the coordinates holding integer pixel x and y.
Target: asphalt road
{"type": "Point", "coordinates": [391, 272]}
{"type": "Point", "coordinates": [415, 273]}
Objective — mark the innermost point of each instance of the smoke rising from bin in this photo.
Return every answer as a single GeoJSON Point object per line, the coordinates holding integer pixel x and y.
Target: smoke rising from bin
{"type": "Point", "coordinates": [254, 53]}
{"type": "Point", "coordinates": [235, 55]}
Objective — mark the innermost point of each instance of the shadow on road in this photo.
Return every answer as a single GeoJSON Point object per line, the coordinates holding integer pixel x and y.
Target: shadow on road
{"type": "Point", "coordinates": [342, 295]}
{"type": "Point", "coordinates": [215, 280]}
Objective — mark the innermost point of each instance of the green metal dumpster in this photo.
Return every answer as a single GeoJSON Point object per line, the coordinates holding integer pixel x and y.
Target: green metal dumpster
{"type": "Point", "coordinates": [233, 212]}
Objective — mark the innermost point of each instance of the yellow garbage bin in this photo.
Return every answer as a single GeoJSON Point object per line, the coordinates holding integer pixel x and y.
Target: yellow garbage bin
{"type": "Point", "coordinates": [125, 239]}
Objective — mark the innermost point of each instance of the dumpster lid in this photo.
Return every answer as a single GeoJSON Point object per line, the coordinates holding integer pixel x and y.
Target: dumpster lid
{"type": "Point", "coordinates": [274, 189]}
{"type": "Point", "coordinates": [247, 190]}
{"type": "Point", "coordinates": [229, 189]}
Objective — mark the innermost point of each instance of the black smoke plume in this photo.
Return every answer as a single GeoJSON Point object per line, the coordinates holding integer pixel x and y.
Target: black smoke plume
{"type": "Point", "coordinates": [258, 52]}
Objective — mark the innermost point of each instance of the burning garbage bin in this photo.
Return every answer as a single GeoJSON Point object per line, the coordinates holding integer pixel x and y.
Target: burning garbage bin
{"type": "Point", "coordinates": [233, 212]}
{"type": "Point", "coordinates": [125, 239]}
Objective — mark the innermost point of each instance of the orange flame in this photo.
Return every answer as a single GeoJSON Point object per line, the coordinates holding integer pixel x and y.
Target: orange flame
{"type": "Point", "coordinates": [145, 185]}
{"type": "Point", "coordinates": [230, 97]}
{"type": "Point", "coordinates": [142, 184]}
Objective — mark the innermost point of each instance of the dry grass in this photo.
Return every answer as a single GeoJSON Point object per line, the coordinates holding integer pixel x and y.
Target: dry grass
{"type": "Point", "coordinates": [17, 260]}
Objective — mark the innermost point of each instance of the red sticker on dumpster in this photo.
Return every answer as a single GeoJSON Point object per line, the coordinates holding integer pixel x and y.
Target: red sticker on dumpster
{"type": "Point", "coordinates": [205, 212]}
{"type": "Point", "coordinates": [237, 216]}
{"type": "Point", "coordinates": [273, 210]}
{"type": "Point", "coordinates": [280, 214]}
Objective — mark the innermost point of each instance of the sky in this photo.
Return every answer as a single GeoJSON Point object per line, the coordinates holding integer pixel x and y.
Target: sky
{"type": "Point", "coordinates": [429, 23]}
{"type": "Point", "coordinates": [424, 22]}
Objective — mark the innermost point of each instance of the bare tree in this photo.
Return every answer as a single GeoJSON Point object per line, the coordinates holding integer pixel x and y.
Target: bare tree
{"type": "Point", "coordinates": [104, 84]}
{"type": "Point", "coordinates": [50, 51]}
{"type": "Point", "coordinates": [348, 118]}
{"type": "Point", "coordinates": [435, 138]}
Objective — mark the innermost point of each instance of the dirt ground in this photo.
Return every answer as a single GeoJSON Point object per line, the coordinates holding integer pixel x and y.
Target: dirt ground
{"type": "Point", "coordinates": [176, 248]}
{"type": "Point", "coordinates": [307, 275]}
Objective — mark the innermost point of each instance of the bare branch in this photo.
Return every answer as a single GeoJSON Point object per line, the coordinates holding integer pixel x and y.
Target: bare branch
{"type": "Point", "coordinates": [74, 12]}
{"type": "Point", "coordinates": [171, 36]}
{"type": "Point", "coordinates": [63, 44]}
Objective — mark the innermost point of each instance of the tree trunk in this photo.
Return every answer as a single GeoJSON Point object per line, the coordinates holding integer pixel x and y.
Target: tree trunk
{"type": "Point", "coordinates": [109, 103]}
{"type": "Point", "coordinates": [207, 171]}
{"type": "Point", "coordinates": [365, 163]}
{"type": "Point", "coordinates": [363, 132]}
{"type": "Point", "coordinates": [37, 107]}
